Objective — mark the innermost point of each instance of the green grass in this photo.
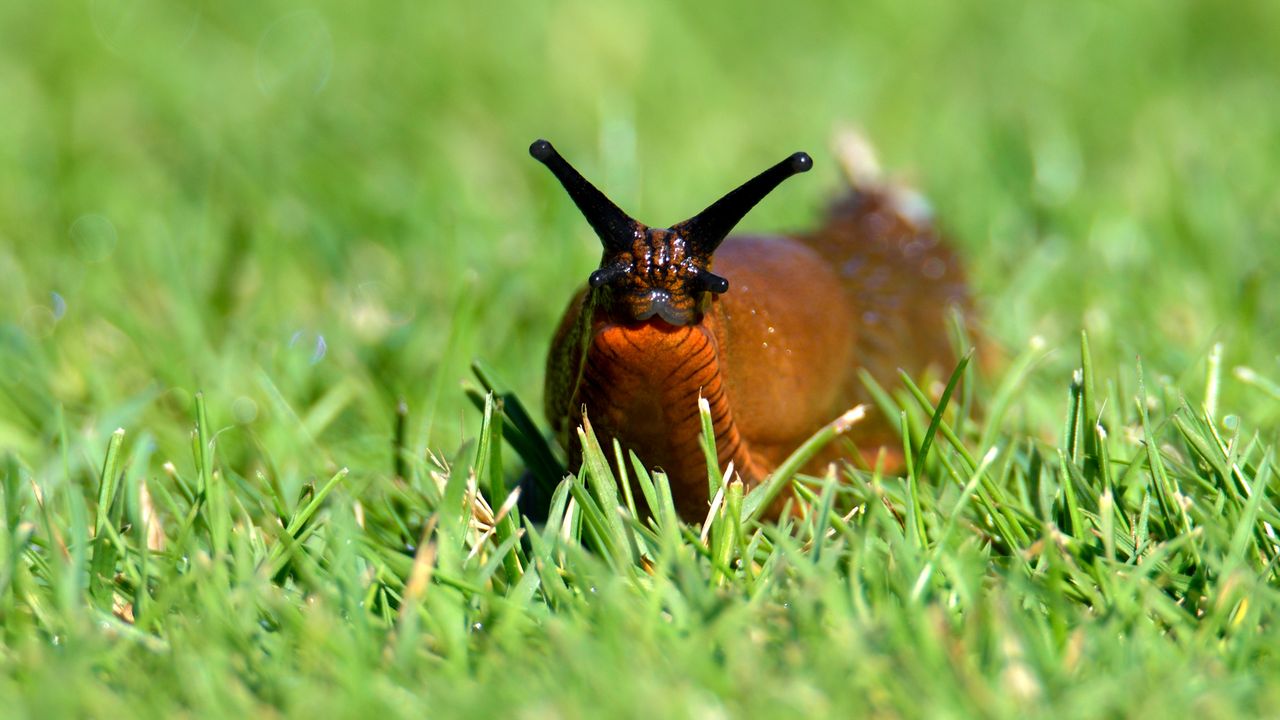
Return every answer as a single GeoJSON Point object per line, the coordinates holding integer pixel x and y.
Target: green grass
{"type": "Point", "coordinates": [243, 232]}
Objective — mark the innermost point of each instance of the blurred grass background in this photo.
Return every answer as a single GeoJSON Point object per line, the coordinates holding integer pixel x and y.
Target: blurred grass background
{"type": "Point", "coordinates": [311, 210]}
{"type": "Point", "coordinates": [331, 207]}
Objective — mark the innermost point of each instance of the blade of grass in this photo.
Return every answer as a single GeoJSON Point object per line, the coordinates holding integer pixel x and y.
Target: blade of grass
{"type": "Point", "coordinates": [757, 502]}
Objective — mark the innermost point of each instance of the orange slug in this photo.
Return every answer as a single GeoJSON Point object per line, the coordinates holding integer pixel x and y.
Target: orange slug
{"type": "Point", "coordinates": [773, 338]}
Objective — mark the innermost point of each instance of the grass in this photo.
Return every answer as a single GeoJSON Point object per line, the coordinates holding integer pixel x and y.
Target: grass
{"type": "Point", "coordinates": [233, 238]}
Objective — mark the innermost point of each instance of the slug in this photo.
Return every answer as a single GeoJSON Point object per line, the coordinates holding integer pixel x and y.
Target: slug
{"type": "Point", "coordinates": [773, 338]}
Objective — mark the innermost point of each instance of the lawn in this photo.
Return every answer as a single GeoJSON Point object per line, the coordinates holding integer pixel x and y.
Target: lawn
{"type": "Point", "coordinates": [235, 237]}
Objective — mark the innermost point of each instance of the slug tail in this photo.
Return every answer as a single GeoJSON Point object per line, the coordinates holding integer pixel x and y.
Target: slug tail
{"type": "Point", "coordinates": [897, 269]}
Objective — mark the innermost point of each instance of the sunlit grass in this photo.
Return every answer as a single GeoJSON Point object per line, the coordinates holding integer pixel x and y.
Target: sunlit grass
{"type": "Point", "coordinates": [1128, 567]}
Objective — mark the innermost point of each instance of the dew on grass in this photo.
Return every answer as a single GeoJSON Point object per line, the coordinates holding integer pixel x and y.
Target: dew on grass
{"type": "Point", "coordinates": [178, 400]}
{"type": "Point", "coordinates": [368, 311]}
{"type": "Point", "coordinates": [132, 26]}
{"type": "Point", "coordinates": [318, 350]}
{"type": "Point", "coordinates": [244, 409]}
{"type": "Point", "coordinates": [94, 236]}
{"type": "Point", "coordinates": [39, 321]}
{"type": "Point", "coordinates": [1058, 166]}
{"type": "Point", "coordinates": [295, 55]}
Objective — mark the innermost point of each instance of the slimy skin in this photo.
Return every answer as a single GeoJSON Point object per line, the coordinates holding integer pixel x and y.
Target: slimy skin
{"type": "Point", "coordinates": [773, 339]}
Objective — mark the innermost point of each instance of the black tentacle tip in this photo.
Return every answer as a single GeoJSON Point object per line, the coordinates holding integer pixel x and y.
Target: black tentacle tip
{"type": "Point", "coordinates": [712, 282]}
{"type": "Point", "coordinates": [606, 275]}
{"type": "Point", "coordinates": [541, 150]}
{"type": "Point", "coordinates": [800, 162]}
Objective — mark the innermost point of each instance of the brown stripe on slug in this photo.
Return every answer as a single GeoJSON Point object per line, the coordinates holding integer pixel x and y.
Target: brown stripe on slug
{"type": "Point", "coordinates": [641, 384]}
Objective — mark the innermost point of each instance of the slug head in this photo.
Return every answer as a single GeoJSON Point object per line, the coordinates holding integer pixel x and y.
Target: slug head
{"type": "Point", "coordinates": [648, 272]}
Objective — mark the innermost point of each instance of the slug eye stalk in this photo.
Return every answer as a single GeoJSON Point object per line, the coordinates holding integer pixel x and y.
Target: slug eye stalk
{"type": "Point", "coordinates": [616, 229]}
{"type": "Point", "coordinates": [709, 228]}
{"type": "Point", "coordinates": [652, 271]}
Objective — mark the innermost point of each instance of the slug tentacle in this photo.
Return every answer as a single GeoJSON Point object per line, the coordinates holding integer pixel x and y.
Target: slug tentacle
{"type": "Point", "coordinates": [711, 282]}
{"type": "Point", "coordinates": [606, 275]}
{"type": "Point", "coordinates": [709, 228]}
{"type": "Point", "coordinates": [616, 229]}
{"type": "Point", "coordinates": [663, 272]}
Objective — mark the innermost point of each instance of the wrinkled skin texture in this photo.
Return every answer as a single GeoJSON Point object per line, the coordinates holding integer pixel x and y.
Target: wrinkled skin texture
{"type": "Point", "coordinates": [777, 356]}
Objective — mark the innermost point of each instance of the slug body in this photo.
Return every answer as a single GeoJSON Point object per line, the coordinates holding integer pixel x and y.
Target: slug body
{"type": "Point", "coordinates": [776, 357]}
